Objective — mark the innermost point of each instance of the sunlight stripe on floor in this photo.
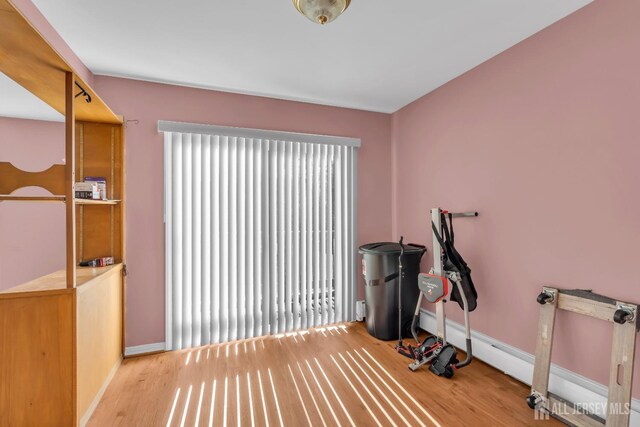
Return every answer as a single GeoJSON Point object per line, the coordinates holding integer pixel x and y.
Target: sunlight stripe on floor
{"type": "Point", "coordinates": [323, 394]}
{"type": "Point", "coordinates": [424, 411]}
{"type": "Point", "coordinates": [213, 402]}
{"type": "Point", "coordinates": [264, 402]}
{"type": "Point", "coordinates": [186, 406]}
{"type": "Point", "coordinates": [253, 422]}
{"type": "Point", "coordinates": [224, 408]}
{"type": "Point", "coordinates": [384, 396]}
{"type": "Point", "coordinates": [275, 396]}
{"type": "Point", "coordinates": [378, 404]}
{"type": "Point", "coordinates": [295, 383]}
{"type": "Point", "coordinates": [413, 414]}
{"type": "Point", "coordinates": [357, 393]}
{"type": "Point", "coordinates": [197, 423]}
{"type": "Point", "coordinates": [334, 393]}
{"type": "Point", "coordinates": [173, 407]}
{"type": "Point", "coordinates": [238, 397]}
{"type": "Point", "coordinates": [315, 403]}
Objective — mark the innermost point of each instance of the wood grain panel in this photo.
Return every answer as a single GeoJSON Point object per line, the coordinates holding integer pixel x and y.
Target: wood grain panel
{"type": "Point", "coordinates": [599, 310]}
{"type": "Point", "coordinates": [96, 202]}
{"type": "Point", "coordinates": [621, 373]}
{"type": "Point", "coordinates": [70, 179]}
{"type": "Point", "coordinates": [33, 198]}
{"type": "Point", "coordinates": [13, 178]}
{"type": "Point", "coordinates": [36, 347]}
{"type": "Point", "coordinates": [95, 237]}
{"type": "Point", "coordinates": [99, 328]}
{"type": "Point", "coordinates": [544, 345]}
{"type": "Point", "coordinates": [99, 147]}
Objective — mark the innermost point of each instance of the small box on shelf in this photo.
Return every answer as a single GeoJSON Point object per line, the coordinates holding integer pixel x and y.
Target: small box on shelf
{"type": "Point", "coordinates": [87, 190]}
{"type": "Point", "coordinates": [98, 262]}
{"type": "Point", "coordinates": [101, 184]}
{"type": "Point", "coordinates": [92, 188]}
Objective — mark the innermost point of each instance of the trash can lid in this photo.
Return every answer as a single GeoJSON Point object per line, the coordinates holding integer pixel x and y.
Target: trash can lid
{"type": "Point", "coordinates": [390, 248]}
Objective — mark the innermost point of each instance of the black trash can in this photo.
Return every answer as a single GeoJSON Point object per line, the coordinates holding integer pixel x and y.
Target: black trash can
{"type": "Point", "coordinates": [380, 271]}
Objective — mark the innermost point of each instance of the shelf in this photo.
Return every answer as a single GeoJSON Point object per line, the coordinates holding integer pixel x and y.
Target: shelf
{"type": "Point", "coordinates": [95, 202]}
{"type": "Point", "coordinates": [5, 197]}
{"type": "Point", "coordinates": [57, 282]}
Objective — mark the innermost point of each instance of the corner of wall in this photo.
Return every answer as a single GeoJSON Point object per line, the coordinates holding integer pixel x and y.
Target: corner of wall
{"type": "Point", "coordinates": [394, 175]}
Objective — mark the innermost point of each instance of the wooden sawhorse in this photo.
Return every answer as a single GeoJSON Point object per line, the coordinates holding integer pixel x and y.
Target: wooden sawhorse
{"type": "Point", "coordinates": [624, 317]}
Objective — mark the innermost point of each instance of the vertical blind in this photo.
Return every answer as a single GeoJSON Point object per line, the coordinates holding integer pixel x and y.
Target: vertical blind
{"type": "Point", "coordinates": [260, 232]}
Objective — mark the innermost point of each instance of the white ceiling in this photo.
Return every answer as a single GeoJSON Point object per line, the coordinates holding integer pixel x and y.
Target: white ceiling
{"type": "Point", "coordinates": [380, 55]}
{"type": "Point", "coordinates": [17, 102]}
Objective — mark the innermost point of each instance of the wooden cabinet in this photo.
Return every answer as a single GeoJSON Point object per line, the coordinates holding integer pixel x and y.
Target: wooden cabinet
{"type": "Point", "coordinates": [36, 359]}
{"type": "Point", "coordinates": [60, 347]}
{"type": "Point", "coordinates": [62, 335]}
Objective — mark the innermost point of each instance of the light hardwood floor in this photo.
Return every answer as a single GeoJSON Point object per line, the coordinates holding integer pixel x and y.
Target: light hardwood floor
{"type": "Point", "coordinates": [323, 377]}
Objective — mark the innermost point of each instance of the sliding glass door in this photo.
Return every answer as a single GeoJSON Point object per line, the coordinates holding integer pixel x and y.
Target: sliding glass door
{"type": "Point", "coordinates": [260, 232]}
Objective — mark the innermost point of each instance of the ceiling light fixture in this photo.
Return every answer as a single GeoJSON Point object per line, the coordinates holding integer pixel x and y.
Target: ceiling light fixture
{"type": "Point", "coordinates": [321, 11]}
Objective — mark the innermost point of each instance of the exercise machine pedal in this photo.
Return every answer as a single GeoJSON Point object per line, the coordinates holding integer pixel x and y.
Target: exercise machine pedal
{"type": "Point", "coordinates": [407, 351]}
{"type": "Point", "coordinates": [422, 360]}
{"type": "Point", "coordinates": [428, 345]}
{"type": "Point", "coordinates": [444, 363]}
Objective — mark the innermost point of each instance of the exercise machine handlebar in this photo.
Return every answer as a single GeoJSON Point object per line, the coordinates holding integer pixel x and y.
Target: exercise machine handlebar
{"type": "Point", "coordinates": [400, 275]}
{"type": "Point", "coordinates": [467, 326]}
{"type": "Point", "coordinates": [460, 214]}
{"type": "Point", "coordinates": [469, 357]}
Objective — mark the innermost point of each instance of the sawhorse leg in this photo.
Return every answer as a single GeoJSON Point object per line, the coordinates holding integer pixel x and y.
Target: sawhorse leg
{"type": "Point", "coordinates": [621, 375]}
{"type": "Point", "coordinates": [544, 343]}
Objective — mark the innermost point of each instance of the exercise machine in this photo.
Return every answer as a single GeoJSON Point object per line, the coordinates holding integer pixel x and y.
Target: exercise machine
{"type": "Point", "coordinates": [448, 280]}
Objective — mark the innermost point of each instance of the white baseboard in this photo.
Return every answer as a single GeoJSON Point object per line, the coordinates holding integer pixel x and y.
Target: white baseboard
{"type": "Point", "coordinates": [519, 365]}
{"type": "Point", "coordinates": [94, 404]}
{"type": "Point", "coordinates": [145, 348]}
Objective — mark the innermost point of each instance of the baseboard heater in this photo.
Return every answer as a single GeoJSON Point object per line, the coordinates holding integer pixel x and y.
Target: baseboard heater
{"type": "Point", "coordinates": [563, 383]}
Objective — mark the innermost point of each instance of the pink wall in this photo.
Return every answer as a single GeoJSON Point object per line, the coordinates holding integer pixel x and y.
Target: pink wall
{"type": "Point", "coordinates": [150, 102]}
{"type": "Point", "coordinates": [542, 140]}
{"type": "Point", "coordinates": [32, 236]}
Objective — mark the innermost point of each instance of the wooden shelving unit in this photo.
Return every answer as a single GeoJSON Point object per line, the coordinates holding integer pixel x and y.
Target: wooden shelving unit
{"type": "Point", "coordinates": [45, 75]}
{"type": "Point", "coordinates": [96, 202]}
{"type": "Point", "coordinates": [5, 197]}
{"type": "Point", "coordinates": [100, 152]}
{"type": "Point", "coordinates": [62, 334]}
